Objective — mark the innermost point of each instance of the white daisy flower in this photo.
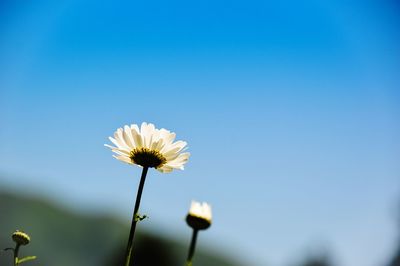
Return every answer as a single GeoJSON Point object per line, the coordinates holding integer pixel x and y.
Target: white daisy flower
{"type": "Point", "coordinates": [199, 216]}
{"type": "Point", "coordinates": [149, 147]}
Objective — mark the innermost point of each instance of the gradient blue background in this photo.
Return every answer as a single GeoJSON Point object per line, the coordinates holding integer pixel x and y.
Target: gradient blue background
{"type": "Point", "coordinates": [290, 108]}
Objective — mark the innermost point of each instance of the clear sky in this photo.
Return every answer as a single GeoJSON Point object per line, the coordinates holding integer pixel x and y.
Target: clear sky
{"type": "Point", "coordinates": [290, 110]}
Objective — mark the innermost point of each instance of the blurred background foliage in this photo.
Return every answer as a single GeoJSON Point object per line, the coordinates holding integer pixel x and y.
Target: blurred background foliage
{"type": "Point", "coordinates": [63, 237]}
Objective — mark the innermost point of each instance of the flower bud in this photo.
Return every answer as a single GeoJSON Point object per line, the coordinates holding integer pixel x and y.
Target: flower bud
{"type": "Point", "coordinates": [199, 217]}
{"type": "Point", "coordinates": [21, 238]}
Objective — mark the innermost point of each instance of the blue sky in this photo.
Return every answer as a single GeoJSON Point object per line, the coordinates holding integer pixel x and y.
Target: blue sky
{"type": "Point", "coordinates": [290, 110]}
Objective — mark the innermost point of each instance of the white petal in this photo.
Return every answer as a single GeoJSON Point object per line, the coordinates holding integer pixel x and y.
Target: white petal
{"type": "Point", "coordinates": [111, 147]}
{"type": "Point", "coordinates": [176, 146]}
{"type": "Point", "coordinates": [155, 145]}
{"type": "Point", "coordinates": [118, 135]}
{"type": "Point", "coordinates": [117, 148]}
{"type": "Point", "coordinates": [149, 135]}
{"type": "Point", "coordinates": [121, 152]}
{"type": "Point", "coordinates": [179, 162]}
{"type": "Point", "coordinates": [123, 158]}
{"type": "Point", "coordinates": [146, 131]}
{"type": "Point", "coordinates": [167, 136]}
{"type": "Point", "coordinates": [182, 158]}
{"type": "Point", "coordinates": [116, 143]}
{"type": "Point", "coordinates": [173, 153]}
{"type": "Point", "coordinates": [128, 137]}
{"type": "Point", "coordinates": [165, 169]}
{"type": "Point", "coordinates": [135, 127]}
{"type": "Point", "coordinates": [136, 136]}
{"type": "Point", "coordinates": [202, 210]}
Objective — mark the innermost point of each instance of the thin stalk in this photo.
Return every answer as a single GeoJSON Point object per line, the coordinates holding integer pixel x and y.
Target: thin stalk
{"type": "Point", "coordinates": [128, 261]}
{"type": "Point", "coordinates": [16, 250]}
{"type": "Point", "coordinates": [192, 247]}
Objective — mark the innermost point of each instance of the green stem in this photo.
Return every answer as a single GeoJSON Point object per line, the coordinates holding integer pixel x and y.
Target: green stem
{"type": "Point", "coordinates": [16, 250]}
{"type": "Point", "coordinates": [128, 261]}
{"type": "Point", "coordinates": [191, 248]}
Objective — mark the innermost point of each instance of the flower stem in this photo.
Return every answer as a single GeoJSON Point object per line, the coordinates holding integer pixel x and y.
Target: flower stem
{"type": "Point", "coordinates": [192, 247]}
{"type": "Point", "coordinates": [128, 261]}
{"type": "Point", "coordinates": [16, 250]}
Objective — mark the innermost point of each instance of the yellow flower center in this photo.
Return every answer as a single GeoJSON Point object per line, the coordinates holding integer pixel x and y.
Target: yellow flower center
{"type": "Point", "coordinates": [147, 158]}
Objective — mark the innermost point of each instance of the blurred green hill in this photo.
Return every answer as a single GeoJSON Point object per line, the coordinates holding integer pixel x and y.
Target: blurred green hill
{"type": "Point", "coordinates": [395, 261]}
{"type": "Point", "coordinates": [62, 237]}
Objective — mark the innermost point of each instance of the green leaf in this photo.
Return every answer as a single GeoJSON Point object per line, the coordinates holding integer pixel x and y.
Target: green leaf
{"type": "Point", "coordinates": [25, 259]}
